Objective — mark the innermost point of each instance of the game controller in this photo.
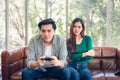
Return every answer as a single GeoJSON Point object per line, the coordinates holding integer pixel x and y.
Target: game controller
{"type": "Point", "coordinates": [47, 59]}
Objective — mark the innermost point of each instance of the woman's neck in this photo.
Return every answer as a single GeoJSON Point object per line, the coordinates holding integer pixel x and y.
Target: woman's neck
{"type": "Point", "coordinates": [78, 39]}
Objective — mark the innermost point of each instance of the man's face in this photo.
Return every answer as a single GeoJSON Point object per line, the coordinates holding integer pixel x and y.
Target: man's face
{"type": "Point", "coordinates": [47, 33]}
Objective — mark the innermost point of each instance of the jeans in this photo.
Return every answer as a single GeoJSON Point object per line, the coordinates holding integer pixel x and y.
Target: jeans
{"type": "Point", "coordinates": [74, 75]}
{"type": "Point", "coordinates": [83, 70]}
{"type": "Point", "coordinates": [55, 73]}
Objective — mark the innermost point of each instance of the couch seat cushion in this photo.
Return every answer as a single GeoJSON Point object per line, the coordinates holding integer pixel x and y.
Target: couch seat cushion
{"type": "Point", "coordinates": [98, 75]}
{"type": "Point", "coordinates": [110, 75]}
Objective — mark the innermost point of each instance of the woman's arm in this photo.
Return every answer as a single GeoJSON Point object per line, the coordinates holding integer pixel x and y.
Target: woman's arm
{"type": "Point", "coordinates": [89, 53]}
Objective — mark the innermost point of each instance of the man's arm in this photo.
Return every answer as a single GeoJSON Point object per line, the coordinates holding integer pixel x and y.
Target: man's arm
{"type": "Point", "coordinates": [32, 62]}
{"type": "Point", "coordinates": [62, 53]}
{"type": "Point", "coordinates": [37, 63]}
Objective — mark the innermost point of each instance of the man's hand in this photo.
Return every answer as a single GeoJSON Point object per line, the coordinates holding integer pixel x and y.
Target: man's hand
{"type": "Point", "coordinates": [40, 61]}
{"type": "Point", "coordinates": [56, 62]}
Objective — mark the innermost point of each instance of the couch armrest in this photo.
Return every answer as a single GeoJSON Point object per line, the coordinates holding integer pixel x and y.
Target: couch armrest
{"type": "Point", "coordinates": [118, 51]}
{"type": "Point", "coordinates": [12, 60]}
{"type": "Point", "coordinates": [118, 57]}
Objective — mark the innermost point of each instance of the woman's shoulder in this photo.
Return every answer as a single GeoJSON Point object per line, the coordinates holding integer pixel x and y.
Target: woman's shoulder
{"type": "Point", "coordinates": [87, 37]}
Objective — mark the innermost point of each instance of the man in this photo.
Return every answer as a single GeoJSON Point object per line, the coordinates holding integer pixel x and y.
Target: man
{"type": "Point", "coordinates": [46, 55]}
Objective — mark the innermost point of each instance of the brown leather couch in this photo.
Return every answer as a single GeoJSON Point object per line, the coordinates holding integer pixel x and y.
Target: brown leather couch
{"type": "Point", "coordinates": [102, 66]}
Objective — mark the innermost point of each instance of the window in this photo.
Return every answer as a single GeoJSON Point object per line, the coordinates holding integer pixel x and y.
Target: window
{"type": "Point", "coordinates": [101, 18]}
{"type": "Point", "coordinates": [56, 11]}
{"type": "Point", "coordinates": [36, 13]}
{"type": "Point", "coordinates": [2, 25]}
{"type": "Point", "coordinates": [16, 23]}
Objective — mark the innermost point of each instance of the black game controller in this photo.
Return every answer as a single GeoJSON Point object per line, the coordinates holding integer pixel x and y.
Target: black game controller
{"type": "Point", "coordinates": [47, 59]}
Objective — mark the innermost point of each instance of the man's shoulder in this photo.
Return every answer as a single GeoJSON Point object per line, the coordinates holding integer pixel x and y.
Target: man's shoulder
{"type": "Point", "coordinates": [58, 37]}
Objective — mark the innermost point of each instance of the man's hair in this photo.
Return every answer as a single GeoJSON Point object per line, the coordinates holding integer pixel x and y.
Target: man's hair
{"type": "Point", "coordinates": [47, 21]}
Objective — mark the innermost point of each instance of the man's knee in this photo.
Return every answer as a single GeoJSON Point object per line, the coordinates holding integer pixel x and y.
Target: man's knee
{"type": "Point", "coordinates": [26, 71]}
{"type": "Point", "coordinates": [65, 73]}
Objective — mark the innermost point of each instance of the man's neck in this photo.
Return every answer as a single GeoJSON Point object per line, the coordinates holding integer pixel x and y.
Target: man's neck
{"type": "Point", "coordinates": [48, 43]}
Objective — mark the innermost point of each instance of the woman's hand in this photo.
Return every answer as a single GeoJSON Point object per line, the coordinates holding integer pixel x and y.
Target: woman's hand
{"type": "Point", "coordinates": [89, 53]}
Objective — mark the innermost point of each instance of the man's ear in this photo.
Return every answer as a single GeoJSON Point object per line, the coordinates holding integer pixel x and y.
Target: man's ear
{"type": "Point", "coordinates": [39, 31]}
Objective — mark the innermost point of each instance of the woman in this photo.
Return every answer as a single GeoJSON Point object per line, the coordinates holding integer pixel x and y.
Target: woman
{"type": "Point", "coordinates": [80, 49]}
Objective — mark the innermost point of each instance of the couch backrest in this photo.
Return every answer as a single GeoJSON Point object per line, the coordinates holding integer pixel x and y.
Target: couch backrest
{"type": "Point", "coordinates": [106, 58]}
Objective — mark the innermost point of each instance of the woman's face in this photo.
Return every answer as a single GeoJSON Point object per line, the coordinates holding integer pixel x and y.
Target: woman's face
{"type": "Point", "coordinates": [77, 28]}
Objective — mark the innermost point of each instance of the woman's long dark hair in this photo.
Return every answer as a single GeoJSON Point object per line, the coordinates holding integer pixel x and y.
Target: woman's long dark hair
{"type": "Point", "coordinates": [71, 41]}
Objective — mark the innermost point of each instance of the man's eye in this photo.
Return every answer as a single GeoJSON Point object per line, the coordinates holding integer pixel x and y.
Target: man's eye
{"type": "Point", "coordinates": [49, 30]}
{"type": "Point", "coordinates": [43, 30]}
